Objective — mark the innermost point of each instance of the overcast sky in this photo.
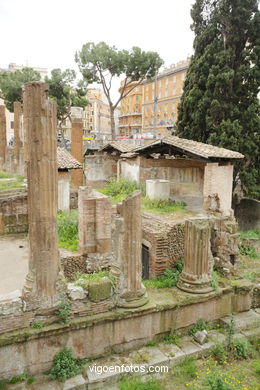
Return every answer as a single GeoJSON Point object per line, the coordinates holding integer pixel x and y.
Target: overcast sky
{"type": "Point", "coordinates": [47, 33]}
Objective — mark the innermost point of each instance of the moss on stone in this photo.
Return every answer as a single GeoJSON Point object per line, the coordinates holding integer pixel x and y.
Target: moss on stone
{"type": "Point", "coordinates": [99, 290]}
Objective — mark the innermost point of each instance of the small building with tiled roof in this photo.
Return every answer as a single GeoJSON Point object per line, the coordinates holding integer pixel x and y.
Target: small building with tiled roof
{"type": "Point", "coordinates": [199, 174]}
{"type": "Point", "coordinates": [65, 163]}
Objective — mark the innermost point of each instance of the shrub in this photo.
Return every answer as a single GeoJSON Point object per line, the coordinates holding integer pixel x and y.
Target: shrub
{"type": "Point", "coordinates": [241, 348]}
{"type": "Point", "coordinates": [169, 278]}
{"type": "Point", "coordinates": [217, 382]}
{"type": "Point", "coordinates": [64, 310]}
{"type": "Point", "coordinates": [68, 229]}
{"type": "Point", "coordinates": [200, 325]}
{"type": "Point", "coordinates": [64, 365]}
{"type": "Point", "coordinates": [83, 280]}
{"type": "Point", "coordinates": [172, 338]}
{"type": "Point", "coordinates": [248, 251]}
{"type": "Point", "coordinates": [219, 353]}
{"type": "Point", "coordinates": [36, 325]}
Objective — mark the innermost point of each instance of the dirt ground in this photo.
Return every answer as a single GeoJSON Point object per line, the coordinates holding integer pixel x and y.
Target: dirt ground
{"type": "Point", "coordinates": [13, 263]}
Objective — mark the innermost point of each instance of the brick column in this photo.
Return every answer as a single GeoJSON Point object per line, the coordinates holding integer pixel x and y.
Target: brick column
{"type": "Point", "coordinates": [198, 260]}
{"type": "Point", "coordinates": [41, 161]}
{"type": "Point", "coordinates": [127, 242]}
{"type": "Point", "coordinates": [77, 176]}
{"type": "Point", "coordinates": [17, 131]}
{"type": "Point", "coordinates": [95, 211]}
{"type": "Point", "coordinates": [3, 141]}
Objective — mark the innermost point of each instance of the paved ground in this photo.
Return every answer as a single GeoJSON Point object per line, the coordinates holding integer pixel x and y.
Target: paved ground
{"type": "Point", "coordinates": [13, 263]}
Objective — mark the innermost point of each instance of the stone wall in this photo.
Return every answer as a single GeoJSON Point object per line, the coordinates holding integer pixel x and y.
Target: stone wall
{"type": "Point", "coordinates": [99, 169]}
{"type": "Point", "coordinates": [13, 211]}
{"type": "Point", "coordinates": [73, 198]}
{"type": "Point", "coordinates": [165, 241]}
{"type": "Point", "coordinates": [218, 180]}
{"type": "Point", "coordinates": [247, 213]}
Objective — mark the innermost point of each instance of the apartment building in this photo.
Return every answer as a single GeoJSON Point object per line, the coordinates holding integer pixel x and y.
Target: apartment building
{"type": "Point", "coordinates": [130, 118]}
{"type": "Point", "coordinates": [12, 67]}
{"type": "Point", "coordinates": [158, 98]}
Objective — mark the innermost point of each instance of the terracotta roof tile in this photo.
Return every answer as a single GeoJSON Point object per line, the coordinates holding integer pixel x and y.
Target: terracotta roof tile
{"type": "Point", "coordinates": [66, 161]}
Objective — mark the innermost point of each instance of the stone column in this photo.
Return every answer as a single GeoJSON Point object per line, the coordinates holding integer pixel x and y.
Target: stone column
{"type": "Point", "coordinates": [3, 141]}
{"type": "Point", "coordinates": [77, 177]}
{"type": "Point", "coordinates": [40, 289]}
{"type": "Point", "coordinates": [95, 211]}
{"type": "Point", "coordinates": [198, 260]}
{"type": "Point", "coordinates": [127, 242]}
{"type": "Point", "coordinates": [17, 140]}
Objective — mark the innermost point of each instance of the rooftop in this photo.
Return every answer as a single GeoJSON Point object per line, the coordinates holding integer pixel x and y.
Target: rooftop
{"type": "Point", "coordinates": [189, 147]}
{"type": "Point", "coordinates": [122, 147]}
{"type": "Point", "coordinates": [66, 161]}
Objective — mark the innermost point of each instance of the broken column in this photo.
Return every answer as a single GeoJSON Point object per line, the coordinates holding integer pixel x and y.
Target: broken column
{"type": "Point", "coordinates": [196, 276]}
{"type": "Point", "coordinates": [40, 289]}
{"type": "Point", "coordinates": [127, 246]}
{"type": "Point", "coordinates": [94, 221]}
{"type": "Point", "coordinates": [2, 136]}
{"type": "Point", "coordinates": [17, 131]}
{"type": "Point", "coordinates": [77, 177]}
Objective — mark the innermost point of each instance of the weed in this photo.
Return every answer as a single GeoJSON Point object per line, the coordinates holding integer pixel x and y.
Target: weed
{"type": "Point", "coordinates": [189, 367]}
{"type": "Point", "coordinates": [141, 357]}
{"type": "Point", "coordinates": [3, 384]}
{"type": "Point", "coordinates": [152, 343]}
{"type": "Point", "coordinates": [36, 325]}
{"type": "Point", "coordinates": [68, 230]}
{"type": "Point", "coordinates": [242, 348]}
{"type": "Point", "coordinates": [20, 378]}
{"type": "Point", "coordinates": [200, 325]}
{"type": "Point", "coordinates": [30, 380]}
{"type": "Point", "coordinates": [219, 353]}
{"type": "Point", "coordinates": [215, 280]}
{"type": "Point", "coordinates": [218, 382]}
{"type": "Point", "coordinates": [172, 338]}
{"type": "Point", "coordinates": [137, 384]}
{"type": "Point", "coordinates": [230, 332]}
{"type": "Point", "coordinates": [64, 365]}
{"type": "Point", "coordinates": [249, 276]}
{"type": "Point", "coordinates": [248, 251]}
{"type": "Point", "coordinates": [168, 279]}
{"type": "Point", "coordinates": [64, 310]}
{"type": "Point", "coordinates": [253, 233]}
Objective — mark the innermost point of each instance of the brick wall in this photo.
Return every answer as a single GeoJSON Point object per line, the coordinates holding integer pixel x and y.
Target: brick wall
{"type": "Point", "coordinates": [99, 169]}
{"type": "Point", "coordinates": [13, 212]}
{"type": "Point", "coordinates": [165, 242]}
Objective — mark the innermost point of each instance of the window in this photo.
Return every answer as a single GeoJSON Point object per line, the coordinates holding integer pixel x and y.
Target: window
{"type": "Point", "coordinates": [146, 110]}
{"type": "Point", "coordinates": [137, 98]}
{"type": "Point", "coordinates": [174, 90]}
{"type": "Point", "coordinates": [183, 75]}
{"type": "Point", "coordinates": [137, 89]}
{"type": "Point", "coordinates": [166, 91]}
{"type": "Point", "coordinates": [173, 106]}
{"type": "Point", "coordinates": [174, 78]}
{"type": "Point", "coordinates": [12, 124]}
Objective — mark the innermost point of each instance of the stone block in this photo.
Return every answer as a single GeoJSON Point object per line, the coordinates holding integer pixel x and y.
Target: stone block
{"type": "Point", "coordinates": [100, 290]}
{"type": "Point", "coordinates": [173, 353]}
{"type": "Point", "coordinates": [76, 292]}
{"type": "Point", "coordinates": [190, 348]}
{"type": "Point", "coordinates": [245, 320]}
{"type": "Point", "coordinates": [201, 336]}
{"type": "Point", "coordinates": [75, 383]}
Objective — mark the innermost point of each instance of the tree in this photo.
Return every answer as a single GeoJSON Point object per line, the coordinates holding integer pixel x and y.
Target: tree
{"type": "Point", "coordinates": [219, 104]}
{"type": "Point", "coordinates": [101, 63]}
{"type": "Point", "coordinates": [67, 93]}
{"type": "Point", "coordinates": [11, 84]}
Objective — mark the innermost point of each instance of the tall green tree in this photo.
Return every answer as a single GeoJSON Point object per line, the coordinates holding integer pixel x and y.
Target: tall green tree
{"type": "Point", "coordinates": [67, 92]}
{"type": "Point", "coordinates": [11, 84]}
{"type": "Point", "coordinates": [101, 63]}
{"type": "Point", "coordinates": [219, 104]}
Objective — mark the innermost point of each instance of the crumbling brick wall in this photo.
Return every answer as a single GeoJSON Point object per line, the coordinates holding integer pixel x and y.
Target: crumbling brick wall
{"type": "Point", "coordinates": [13, 211]}
{"type": "Point", "coordinates": [166, 243]}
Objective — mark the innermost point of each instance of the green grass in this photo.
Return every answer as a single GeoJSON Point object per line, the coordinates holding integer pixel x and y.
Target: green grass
{"type": "Point", "coordinates": [6, 184]}
{"type": "Point", "coordinates": [253, 233]}
{"type": "Point", "coordinates": [137, 384]}
{"type": "Point", "coordinates": [163, 206]}
{"type": "Point", "coordinates": [118, 190]}
{"type": "Point", "coordinates": [169, 278]}
{"type": "Point", "coordinates": [68, 230]}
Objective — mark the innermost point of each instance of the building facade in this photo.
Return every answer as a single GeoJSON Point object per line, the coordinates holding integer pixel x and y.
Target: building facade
{"type": "Point", "coordinates": [12, 67]}
{"type": "Point", "coordinates": [156, 101]}
{"type": "Point", "coordinates": [130, 118]}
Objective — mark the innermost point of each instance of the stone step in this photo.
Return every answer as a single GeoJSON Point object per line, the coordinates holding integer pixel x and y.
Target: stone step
{"type": "Point", "coordinates": [246, 320]}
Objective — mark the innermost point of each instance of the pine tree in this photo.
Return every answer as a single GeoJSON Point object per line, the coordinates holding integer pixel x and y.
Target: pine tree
{"type": "Point", "coordinates": [219, 103]}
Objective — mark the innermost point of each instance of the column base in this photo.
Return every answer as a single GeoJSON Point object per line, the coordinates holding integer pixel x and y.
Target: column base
{"type": "Point", "coordinates": [132, 300]}
{"type": "Point", "coordinates": [195, 287]}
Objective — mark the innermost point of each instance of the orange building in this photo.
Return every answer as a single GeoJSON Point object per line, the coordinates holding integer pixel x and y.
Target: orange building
{"type": "Point", "coordinates": [130, 118]}
{"type": "Point", "coordinates": [159, 101]}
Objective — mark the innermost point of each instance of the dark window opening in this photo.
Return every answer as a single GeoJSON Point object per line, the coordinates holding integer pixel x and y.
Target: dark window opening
{"type": "Point", "coordinates": [232, 259]}
{"type": "Point", "coordinates": [145, 262]}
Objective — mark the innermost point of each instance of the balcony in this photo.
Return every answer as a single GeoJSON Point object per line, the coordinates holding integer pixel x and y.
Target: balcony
{"type": "Point", "coordinates": [130, 114]}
